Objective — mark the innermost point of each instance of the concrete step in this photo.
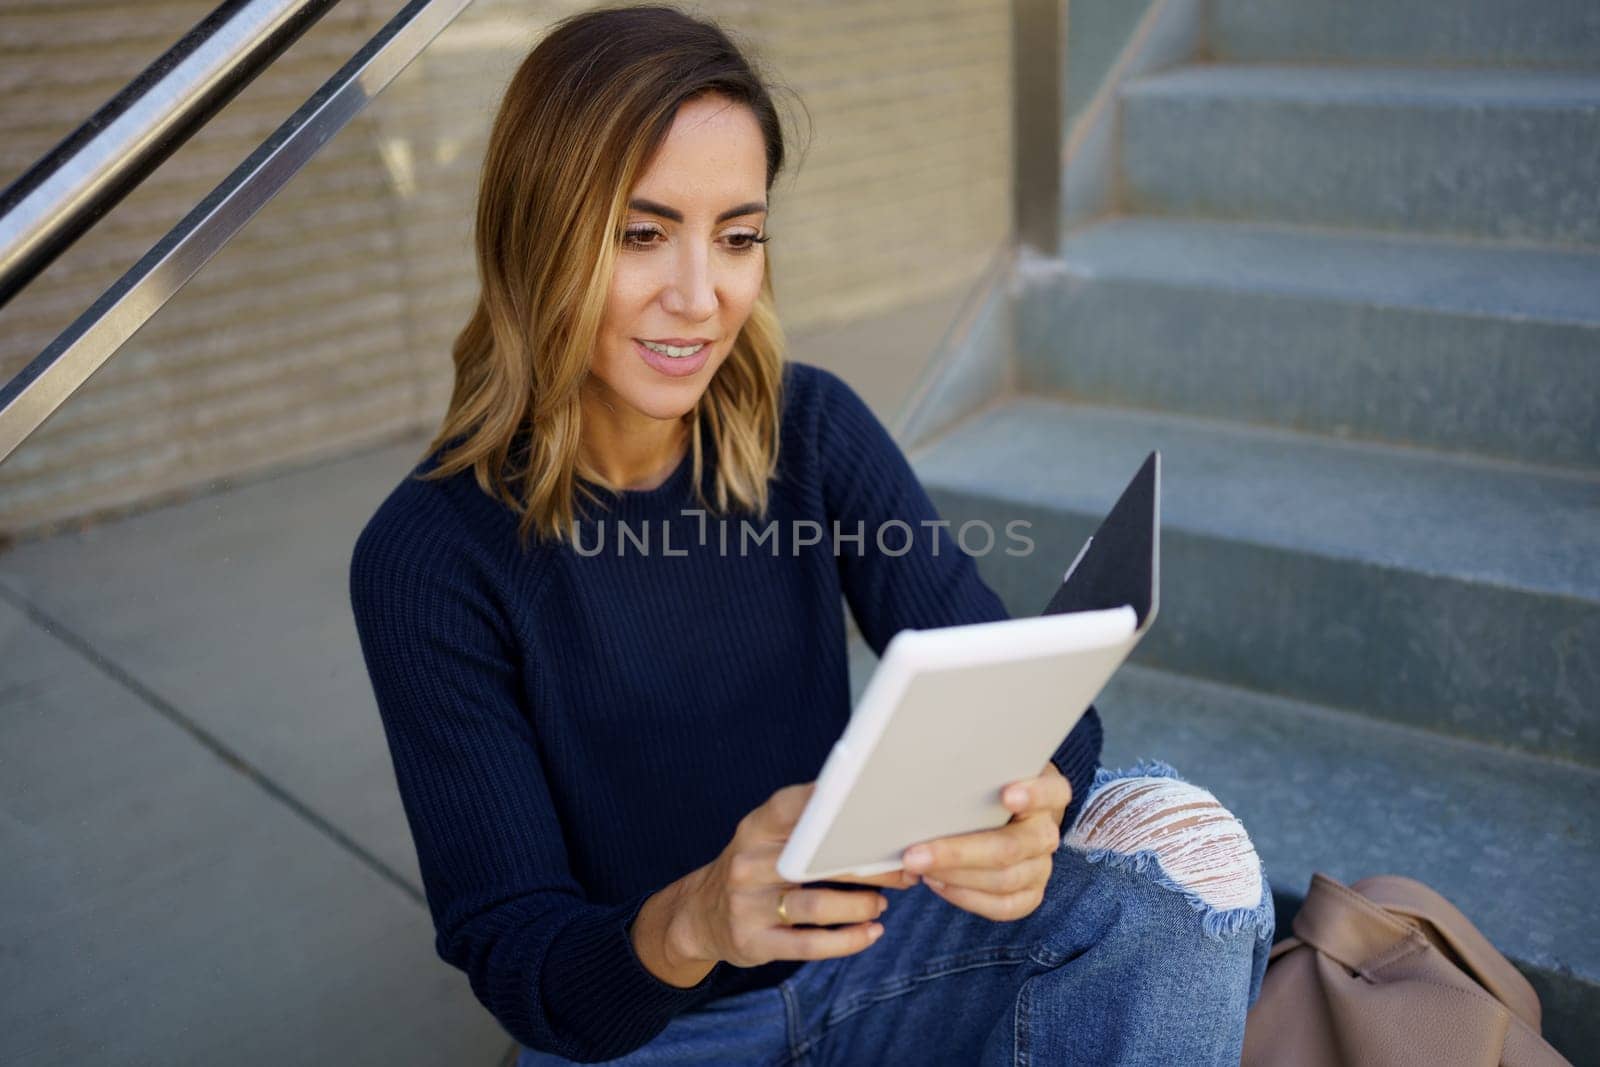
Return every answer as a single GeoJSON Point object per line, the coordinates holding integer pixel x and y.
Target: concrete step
{"type": "Point", "coordinates": [1512, 155]}
{"type": "Point", "coordinates": [1529, 33]}
{"type": "Point", "coordinates": [1453, 594]}
{"type": "Point", "coordinates": [1461, 346]}
{"type": "Point", "coordinates": [1507, 838]}
{"type": "Point", "coordinates": [160, 905]}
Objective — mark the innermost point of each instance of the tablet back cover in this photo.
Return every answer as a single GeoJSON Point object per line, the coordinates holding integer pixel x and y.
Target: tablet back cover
{"type": "Point", "coordinates": [1028, 708]}
{"type": "Point", "coordinates": [1121, 563]}
{"type": "Point", "coordinates": [937, 767]}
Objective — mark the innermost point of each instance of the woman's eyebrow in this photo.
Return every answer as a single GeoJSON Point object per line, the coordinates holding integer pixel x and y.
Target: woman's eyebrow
{"type": "Point", "coordinates": [754, 207]}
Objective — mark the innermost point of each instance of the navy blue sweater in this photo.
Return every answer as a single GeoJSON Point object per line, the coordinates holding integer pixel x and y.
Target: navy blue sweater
{"type": "Point", "coordinates": [574, 727]}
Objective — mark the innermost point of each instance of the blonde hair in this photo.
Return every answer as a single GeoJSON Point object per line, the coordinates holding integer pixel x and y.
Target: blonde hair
{"type": "Point", "coordinates": [579, 122]}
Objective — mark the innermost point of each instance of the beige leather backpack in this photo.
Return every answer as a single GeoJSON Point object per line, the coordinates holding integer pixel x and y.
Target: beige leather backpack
{"type": "Point", "coordinates": [1388, 972]}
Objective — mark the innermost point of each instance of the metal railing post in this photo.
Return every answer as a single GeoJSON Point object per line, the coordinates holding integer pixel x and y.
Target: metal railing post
{"type": "Point", "coordinates": [83, 347]}
{"type": "Point", "coordinates": [94, 167]}
{"type": "Point", "coordinates": [1038, 72]}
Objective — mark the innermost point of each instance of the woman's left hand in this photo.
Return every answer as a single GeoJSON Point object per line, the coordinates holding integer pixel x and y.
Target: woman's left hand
{"type": "Point", "coordinates": [1000, 873]}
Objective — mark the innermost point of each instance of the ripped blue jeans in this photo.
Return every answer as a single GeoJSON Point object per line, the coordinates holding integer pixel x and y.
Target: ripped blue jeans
{"type": "Point", "coordinates": [1121, 964]}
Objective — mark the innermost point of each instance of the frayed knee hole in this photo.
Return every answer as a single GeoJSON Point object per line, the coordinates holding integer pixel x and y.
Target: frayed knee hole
{"type": "Point", "coordinates": [1201, 845]}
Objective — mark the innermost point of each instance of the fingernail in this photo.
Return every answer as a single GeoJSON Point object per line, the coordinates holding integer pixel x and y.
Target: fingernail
{"type": "Point", "coordinates": [874, 932]}
{"type": "Point", "coordinates": [1016, 796]}
{"type": "Point", "coordinates": [918, 857]}
{"type": "Point", "coordinates": [934, 882]}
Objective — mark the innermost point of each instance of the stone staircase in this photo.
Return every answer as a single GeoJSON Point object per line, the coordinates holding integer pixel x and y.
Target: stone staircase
{"type": "Point", "coordinates": [1352, 293]}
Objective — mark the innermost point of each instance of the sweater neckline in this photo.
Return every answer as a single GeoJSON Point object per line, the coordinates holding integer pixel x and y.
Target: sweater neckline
{"type": "Point", "coordinates": [669, 489]}
{"type": "Point", "coordinates": [679, 474]}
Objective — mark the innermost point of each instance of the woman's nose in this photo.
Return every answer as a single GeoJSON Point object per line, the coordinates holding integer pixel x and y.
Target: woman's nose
{"type": "Point", "coordinates": [691, 292]}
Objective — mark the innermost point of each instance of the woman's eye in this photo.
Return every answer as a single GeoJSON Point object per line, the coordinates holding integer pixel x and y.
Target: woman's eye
{"type": "Point", "coordinates": [640, 238]}
{"type": "Point", "coordinates": [744, 242]}
{"type": "Point", "coordinates": [644, 238]}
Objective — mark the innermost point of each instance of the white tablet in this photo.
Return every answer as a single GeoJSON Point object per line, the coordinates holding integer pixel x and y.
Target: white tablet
{"type": "Point", "coordinates": [953, 715]}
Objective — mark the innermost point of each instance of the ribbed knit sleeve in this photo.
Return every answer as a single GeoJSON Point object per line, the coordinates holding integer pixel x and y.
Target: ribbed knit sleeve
{"type": "Point", "coordinates": [868, 485]}
{"type": "Point", "coordinates": [558, 971]}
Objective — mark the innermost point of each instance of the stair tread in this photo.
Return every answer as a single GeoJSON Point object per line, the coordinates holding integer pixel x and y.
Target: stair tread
{"type": "Point", "coordinates": [1323, 790]}
{"type": "Point", "coordinates": [1539, 33]}
{"type": "Point", "coordinates": [1388, 86]}
{"type": "Point", "coordinates": [1462, 277]}
{"type": "Point", "coordinates": [1520, 527]}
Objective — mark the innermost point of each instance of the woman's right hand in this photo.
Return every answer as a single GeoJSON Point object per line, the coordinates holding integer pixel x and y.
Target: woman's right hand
{"type": "Point", "coordinates": [731, 910]}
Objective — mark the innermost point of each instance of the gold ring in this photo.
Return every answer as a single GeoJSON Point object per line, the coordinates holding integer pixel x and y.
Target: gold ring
{"type": "Point", "coordinates": [783, 914]}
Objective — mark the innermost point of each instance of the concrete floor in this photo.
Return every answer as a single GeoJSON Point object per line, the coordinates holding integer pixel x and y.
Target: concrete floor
{"type": "Point", "coordinates": [206, 859]}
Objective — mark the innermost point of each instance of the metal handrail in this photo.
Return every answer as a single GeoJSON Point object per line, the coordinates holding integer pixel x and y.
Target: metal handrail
{"type": "Point", "coordinates": [99, 163]}
{"type": "Point", "coordinates": [42, 386]}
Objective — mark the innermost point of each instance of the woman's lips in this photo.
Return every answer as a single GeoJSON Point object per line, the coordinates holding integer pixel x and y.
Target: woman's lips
{"type": "Point", "coordinates": [673, 368]}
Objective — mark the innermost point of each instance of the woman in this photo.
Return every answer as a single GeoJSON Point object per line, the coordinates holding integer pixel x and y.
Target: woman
{"type": "Point", "coordinates": [609, 651]}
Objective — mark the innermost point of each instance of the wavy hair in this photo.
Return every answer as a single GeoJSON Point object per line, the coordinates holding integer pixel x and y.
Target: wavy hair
{"type": "Point", "coordinates": [578, 124]}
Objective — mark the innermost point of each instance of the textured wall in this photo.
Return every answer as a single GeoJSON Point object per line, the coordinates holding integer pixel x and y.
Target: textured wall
{"type": "Point", "coordinates": [327, 323]}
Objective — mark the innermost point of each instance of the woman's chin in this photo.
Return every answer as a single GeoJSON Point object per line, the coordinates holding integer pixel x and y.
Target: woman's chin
{"type": "Point", "coordinates": [661, 397]}
{"type": "Point", "coordinates": [667, 404]}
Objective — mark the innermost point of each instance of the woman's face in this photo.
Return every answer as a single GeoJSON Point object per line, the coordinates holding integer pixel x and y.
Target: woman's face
{"type": "Point", "coordinates": [689, 269]}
